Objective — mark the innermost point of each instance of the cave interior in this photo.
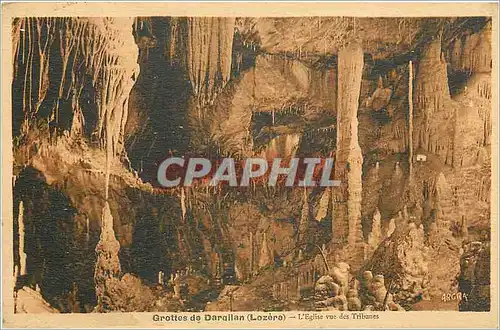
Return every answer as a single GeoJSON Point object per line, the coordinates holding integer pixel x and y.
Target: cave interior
{"type": "Point", "coordinates": [402, 104]}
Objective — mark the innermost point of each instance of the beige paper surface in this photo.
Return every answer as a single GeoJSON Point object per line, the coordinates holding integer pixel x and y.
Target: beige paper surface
{"type": "Point", "coordinates": [289, 319]}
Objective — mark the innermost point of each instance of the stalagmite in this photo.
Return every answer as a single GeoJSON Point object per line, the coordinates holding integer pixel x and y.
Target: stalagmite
{"type": "Point", "coordinates": [304, 218]}
{"type": "Point", "coordinates": [265, 258]}
{"type": "Point", "coordinates": [442, 195]}
{"type": "Point", "coordinates": [381, 97]}
{"type": "Point", "coordinates": [161, 276]}
{"type": "Point", "coordinates": [177, 286]}
{"type": "Point", "coordinates": [349, 159]}
{"type": "Point", "coordinates": [87, 227]}
{"type": "Point", "coordinates": [464, 231]}
{"type": "Point", "coordinates": [252, 254]}
{"type": "Point", "coordinates": [323, 205]}
{"type": "Point", "coordinates": [183, 203]}
{"type": "Point", "coordinates": [300, 257]}
{"type": "Point", "coordinates": [433, 235]}
{"type": "Point", "coordinates": [400, 220]}
{"type": "Point", "coordinates": [22, 253]}
{"type": "Point", "coordinates": [214, 264]}
{"type": "Point", "coordinates": [375, 237]}
{"type": "Point", "coordinates": [397, 172]}
{"type": "Point", "coordinates": [391, 228]}
{"type": "Point", "coordinates": [298, 293]}
{"type": "Point", "coordinates": [405, 213]}
{"type": "Point", "coordinates": [107, 264]}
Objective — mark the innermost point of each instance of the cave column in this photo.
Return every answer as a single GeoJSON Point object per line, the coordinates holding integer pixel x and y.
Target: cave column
{"type": "Point", "coordinates": [346, 224]}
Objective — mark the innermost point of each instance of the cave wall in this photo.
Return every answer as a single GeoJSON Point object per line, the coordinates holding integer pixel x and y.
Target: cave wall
{"type": "Point", "coordinates": [275, 86]}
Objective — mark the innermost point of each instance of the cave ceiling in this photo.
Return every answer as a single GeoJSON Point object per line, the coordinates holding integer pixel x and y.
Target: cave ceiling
{"type": "Point", "coordinates": [322, 36]}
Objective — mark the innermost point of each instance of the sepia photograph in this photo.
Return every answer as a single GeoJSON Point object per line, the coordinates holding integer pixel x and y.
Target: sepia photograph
{"type": "Point", "coordinates": [200, 166]}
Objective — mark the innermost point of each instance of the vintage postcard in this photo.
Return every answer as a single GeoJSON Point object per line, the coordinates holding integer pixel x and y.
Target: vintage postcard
{"type": "Point", "coordinates": [249, 165]}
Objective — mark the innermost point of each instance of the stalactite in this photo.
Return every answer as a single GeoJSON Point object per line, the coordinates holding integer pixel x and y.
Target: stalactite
{"type": "Point", "coordinates": [349, 159]}
{"type": "Point", "coordinates": [43, 49]}
{"type": "Point", "coordinates": [16, 42]}
{"type": "Point", "coordinates": [283, 146]}
{"type": "Point", "coordinates": [109, 156]}
{"type": "Point", "coordinates": [88, 48]}
{"type": "Point", "coordinates": [410, 118]}
{"type": "Point", "coordinates": [433, 105]}
{"type": "Point", "coordinates": [431, 89]}
{"type": "Point", "coordinates": [209, 54]}
{"type": "Point", "coordinates": [456, 53]}
{"type": "Point", "coordinates": [474, 53]}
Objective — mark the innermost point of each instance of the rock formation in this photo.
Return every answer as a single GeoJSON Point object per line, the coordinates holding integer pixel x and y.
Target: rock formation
{"type": "Point", "coordinates": [323, 205]}
{"type": "Point", "coordinates": [402, 263]}
{"type": "Point", "coordinates": [433, 104]}
{"type": "Point", "coordinates": [22, 251]}
{"type": "Point", "coordinates": [209, 48]}
{"type": "Point", "coordinates": [375, 236]}
{"type": "Point", "coordinates": [265, 257]}
{"type": "Point", "coordinates": [95, 46]}
{"type": "Point", "coordinates": [29, 301]}
{"type": "Point", "coordinates": [475, 277]}
{"type": "Point", "coordinates": [304, 219]}
{"type": "Point", "coordinates": [107, 266]}
{"type": "Point", "coordinates": [349, 160]}
{"type": "Point", "coordinates": [474, 53]}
